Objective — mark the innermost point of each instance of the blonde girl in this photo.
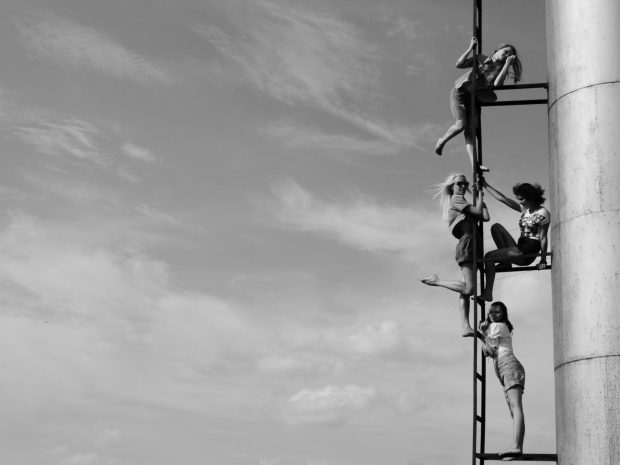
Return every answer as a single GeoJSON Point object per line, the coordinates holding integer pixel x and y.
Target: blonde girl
{"type": "Point", "coordinates": [460, 216]}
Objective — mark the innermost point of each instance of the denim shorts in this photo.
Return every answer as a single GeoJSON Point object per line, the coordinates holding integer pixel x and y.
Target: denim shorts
{"type": "Point", "coordinates": [509, 371]}
{"type": "Point", "coordinates": [459, 103]}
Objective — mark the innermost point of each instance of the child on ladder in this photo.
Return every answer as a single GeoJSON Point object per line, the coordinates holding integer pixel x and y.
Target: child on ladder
{"type": "Point", "coordinates": [497, 331]}
{"type": "Point", "coordinates": [489, 72]}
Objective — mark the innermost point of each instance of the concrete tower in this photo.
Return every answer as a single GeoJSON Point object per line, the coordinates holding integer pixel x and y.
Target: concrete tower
{"type": "Point", "coordinates": [583, 49]}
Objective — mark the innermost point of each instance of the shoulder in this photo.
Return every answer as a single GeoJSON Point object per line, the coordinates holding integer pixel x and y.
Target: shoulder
{"type": "Point", "coordinates": [543, 215]}
{"type": "Point", "coordinates": [498, 330]}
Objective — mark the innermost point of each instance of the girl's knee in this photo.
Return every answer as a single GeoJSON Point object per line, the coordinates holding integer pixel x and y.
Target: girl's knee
{"type": "Point", "coordinates": [468, 290]}
{"type": "Point", "coordinates": [459, 125]}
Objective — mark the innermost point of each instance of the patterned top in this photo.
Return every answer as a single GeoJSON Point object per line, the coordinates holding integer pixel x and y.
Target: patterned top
{"type": "Point", "coordinates": [530, 223]}
{"type": "Point", "coordinates": [488, 70]}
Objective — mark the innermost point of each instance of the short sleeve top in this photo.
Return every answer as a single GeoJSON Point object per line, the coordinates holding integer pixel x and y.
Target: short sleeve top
{"type": "Point", "coordinates": [530, 223]}
{"type": "Point", "coordinates": [488, 70]}
{"type": "Point", "coordinates": [498, 335]}
{"type": "Point", "coordinates": [459, 221]}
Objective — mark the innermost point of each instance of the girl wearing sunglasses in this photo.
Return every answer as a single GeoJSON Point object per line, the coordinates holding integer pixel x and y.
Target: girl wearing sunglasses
{"type": "Point", "coordinates": [460, 216]}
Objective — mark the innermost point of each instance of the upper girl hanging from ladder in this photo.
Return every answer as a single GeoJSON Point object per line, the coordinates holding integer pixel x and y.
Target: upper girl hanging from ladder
{"type": "Point", "coordinates": [490, 72]}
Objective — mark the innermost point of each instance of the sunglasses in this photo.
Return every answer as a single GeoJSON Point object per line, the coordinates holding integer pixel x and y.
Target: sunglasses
{"type": "Point", "coordinates": [462, 184]}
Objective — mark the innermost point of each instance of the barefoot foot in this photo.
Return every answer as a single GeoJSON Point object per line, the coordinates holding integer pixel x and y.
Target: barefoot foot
{"type": "Point", "coordinates": [468, 332]}
{"type": "Point", "coordinates": [509, 454]}
{"type": "Point", "coordinates": [439, 147]}
{"type": "Point", "coordinates": [430, 280]}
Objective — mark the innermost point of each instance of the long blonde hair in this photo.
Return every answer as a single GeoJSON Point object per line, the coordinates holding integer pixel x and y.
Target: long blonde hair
{"type": "Point", "coordinates": [445, 190]}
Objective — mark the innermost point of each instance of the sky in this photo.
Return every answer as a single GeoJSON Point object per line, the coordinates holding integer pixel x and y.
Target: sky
{"type": "Point", "coordinates": [215, 215]}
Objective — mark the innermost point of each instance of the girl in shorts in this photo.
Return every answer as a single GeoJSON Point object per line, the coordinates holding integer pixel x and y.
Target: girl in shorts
{"type": "Point", "coordinates": [533, 226]}
{"type": "Point", "coordinates": [491, 71]}
{"type": "Point", "coordinates": [497, 331]}
{"type": "Point", "coordinates": [460, 216]}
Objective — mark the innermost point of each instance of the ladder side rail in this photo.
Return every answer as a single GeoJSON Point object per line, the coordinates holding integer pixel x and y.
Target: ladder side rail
{"type": "Point", "coordinates": [479, 312]}
{"type": "Point", "coordinates": [474, 136]}
{"type": "Point", "coordinates": [471, 127]}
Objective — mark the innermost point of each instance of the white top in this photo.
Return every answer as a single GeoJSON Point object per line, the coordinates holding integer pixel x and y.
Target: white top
{"type": "Point", "coordinates": [499, 336]}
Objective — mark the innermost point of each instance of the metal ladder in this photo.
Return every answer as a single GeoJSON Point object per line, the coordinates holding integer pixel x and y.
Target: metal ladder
{"type": "Point", "coordinates": [479, 455]}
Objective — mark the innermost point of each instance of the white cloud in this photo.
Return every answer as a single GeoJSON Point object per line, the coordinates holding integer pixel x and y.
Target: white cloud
{"type": "Point", "coordinates": [302, 364]}
{"type": "Point", "coordinates": [108, 436]}
{"type": "Point", "coordinates": [68, 42]}
{"type": "Point", "coordinates": [327, 350]}
{"type": "Point", "coordinates": [387, 336]}
{"type": "Point", "coordinates": [77, 307]}
{"type": "Point", "coordinates": [332, 405]}
{"type": "Point", "coordinates": [271, 461]}
{"type": "Point", "coordinates": [360, 223]}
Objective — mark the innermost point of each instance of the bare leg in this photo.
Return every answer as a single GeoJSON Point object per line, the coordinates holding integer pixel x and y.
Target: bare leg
{"type": "Point", "coordinates": [464, 288]}
{"type": "Point", "coordinates": [452, 131]}
{"type": "Point", "coordinates": [502, 237]}
{"type": "Point", "coordinates": [494, 256]}
{"type": "Point", "coordinates": [455, 286]}
{"type": "Point", "coordinates": [469, 144]}
{"type": "Point", "coordinates": [515, 404]}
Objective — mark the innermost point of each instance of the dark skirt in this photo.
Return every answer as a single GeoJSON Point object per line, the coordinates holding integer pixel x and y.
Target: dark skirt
{"type": "Point", "coordinates": [527, 246]}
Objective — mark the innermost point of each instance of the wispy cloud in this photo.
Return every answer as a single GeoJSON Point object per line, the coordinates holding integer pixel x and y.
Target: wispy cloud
{"type": "Point", "coordinates": [155, 214]}
{"type": "Point", "coordinates": [298, 55]}
{"type": "Point", "coordinates": [360, 222]}
{"type": "Point", "coordinates": [60, 137]}
{"type": "Point", "coordinates": [297, 136]}
{"type": "Point", "coordinates": [70, 137]}
{"type": "Point", "coordinates": [138, 152]}
{"type": "Point", "coordinates": [69, 43]}
{"type": "Point", "coordinates": [332, 405]}
{"type": "Point", "coordinates": [91, 458]}
{"type": "Point", "coordinates": [404, 27]}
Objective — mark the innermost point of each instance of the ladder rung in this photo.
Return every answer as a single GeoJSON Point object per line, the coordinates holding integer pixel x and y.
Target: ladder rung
{"type": "Point", "coordinates": [522, 457]}
{"type": "Point", "coordinates": [479, 418]}
{"type": "Point", "coordinates": [524, 255]}
{"type": "Point", "coordinates": [506, 103]}
{"type": "Point", "coordinates": [535, 85]}
{"type": "Point", "coordinates": [522, 268]}
{"type": "Point", "coordinates": [479, 377]}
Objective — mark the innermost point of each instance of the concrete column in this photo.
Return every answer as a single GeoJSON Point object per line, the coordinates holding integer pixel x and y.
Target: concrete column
{"type": "Point", "coordinates": [583, 50]}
